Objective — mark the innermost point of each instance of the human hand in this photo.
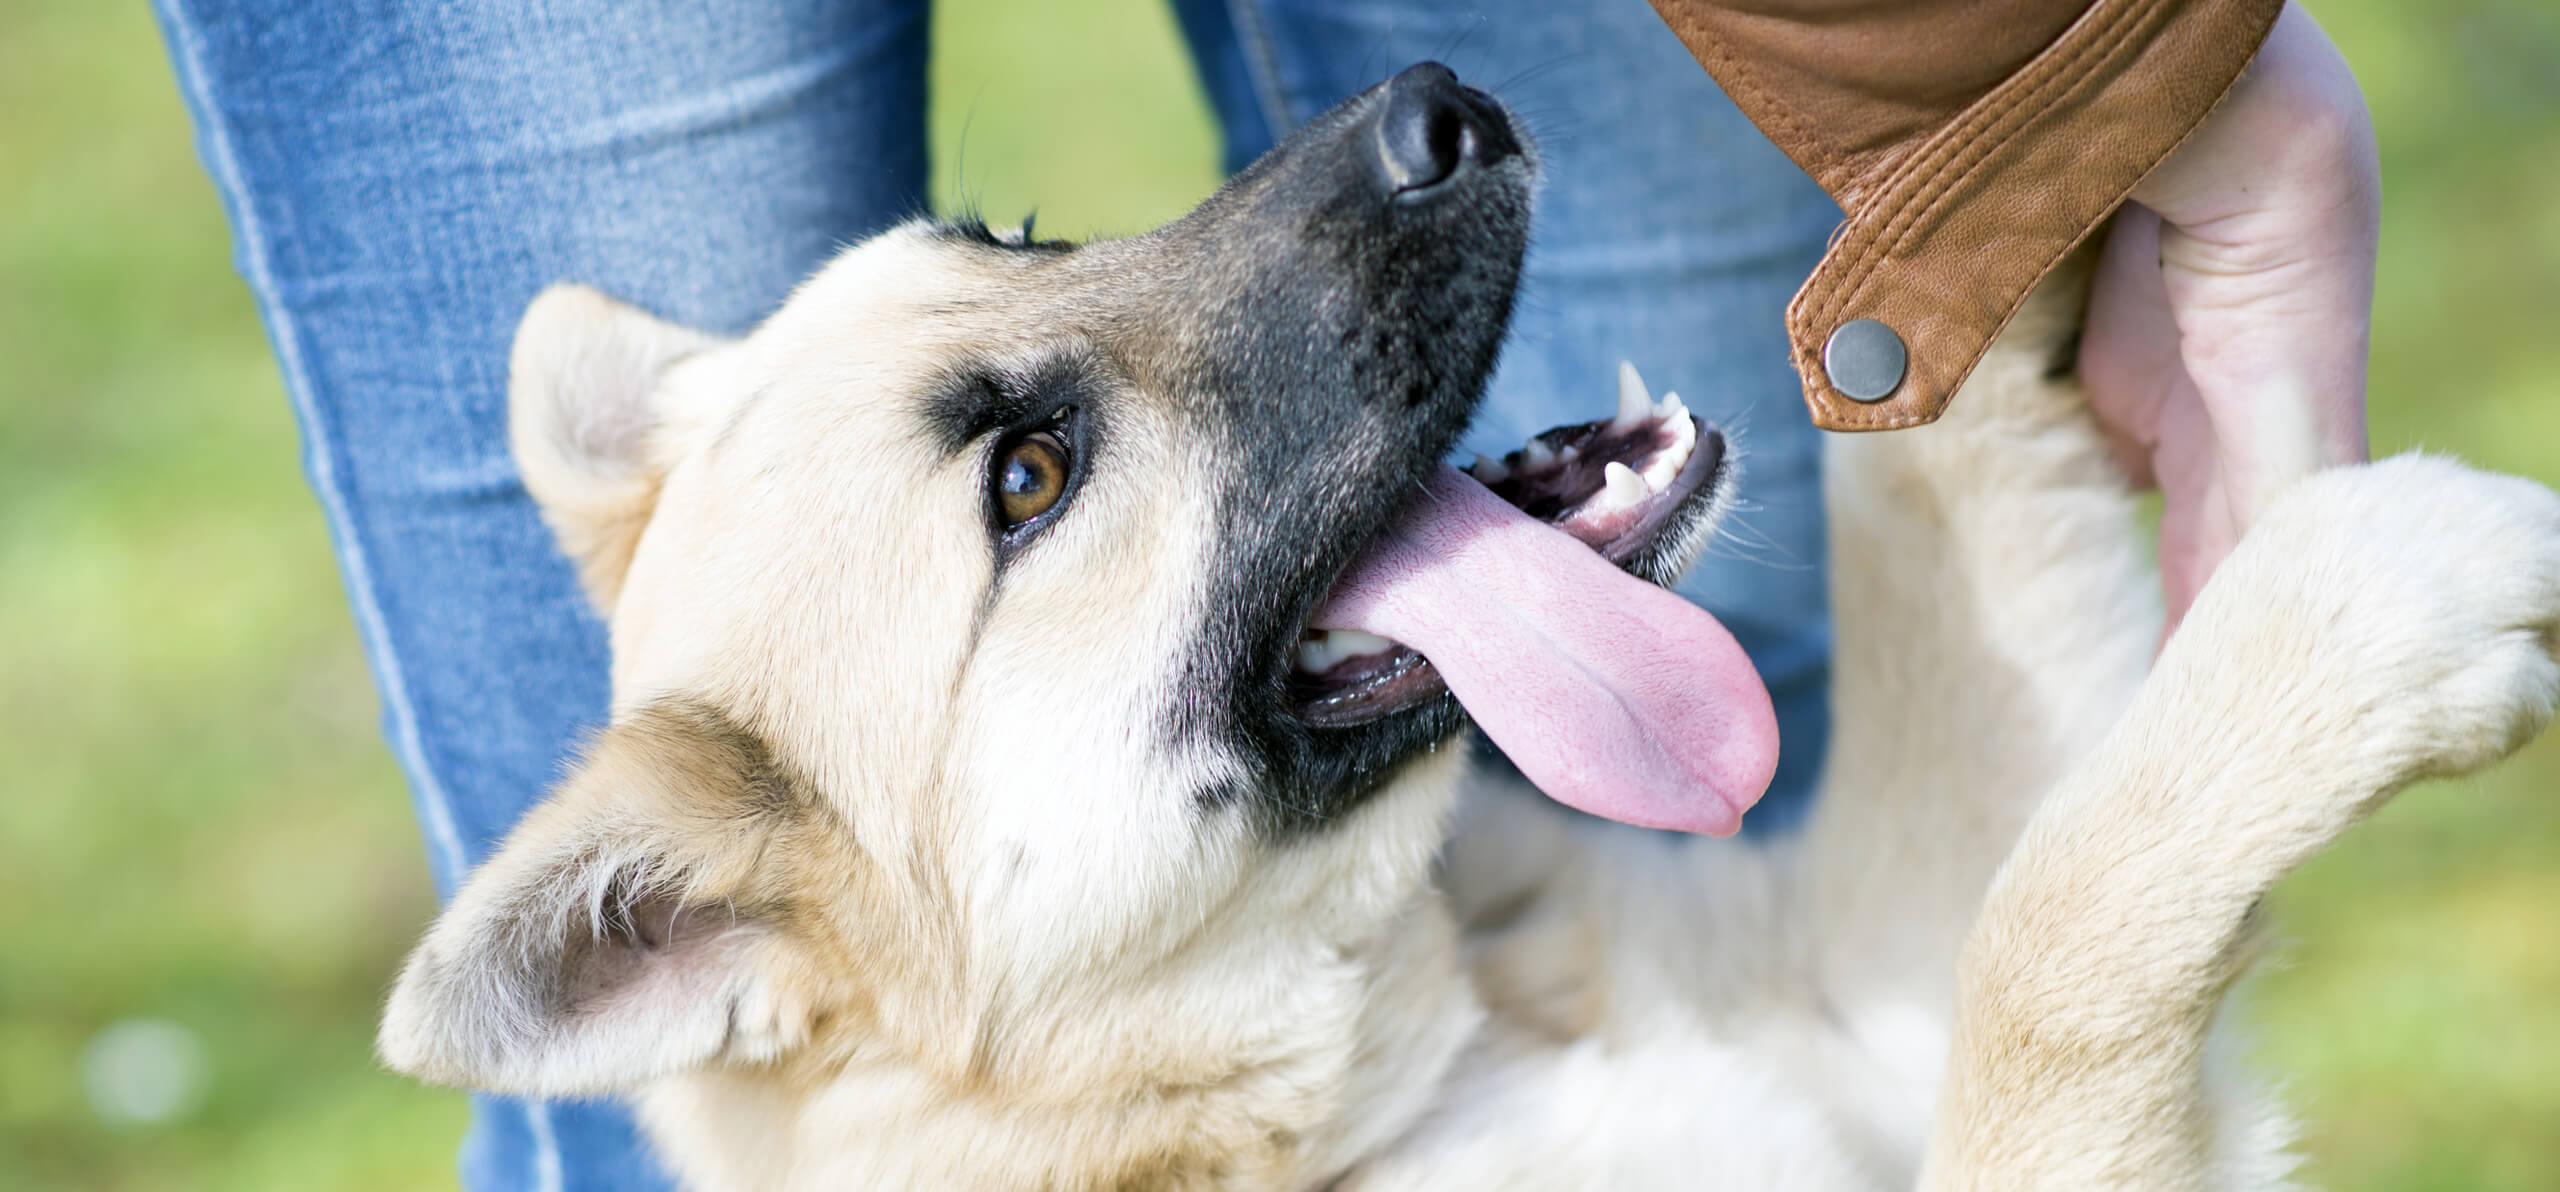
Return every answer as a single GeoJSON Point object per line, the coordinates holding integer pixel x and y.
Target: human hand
{"type": "Point", "coordinates": [2229, 320]}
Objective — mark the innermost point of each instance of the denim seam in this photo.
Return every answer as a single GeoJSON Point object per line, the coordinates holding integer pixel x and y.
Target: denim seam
{"type": "Point", "coordinates": [320, 456]}
{"type": "Point", "coordinates": [546, 1145]}
{"type": "Point", "coordinates": [321, 463]}
{"type": "Point", "coordinates": [1262, 62]}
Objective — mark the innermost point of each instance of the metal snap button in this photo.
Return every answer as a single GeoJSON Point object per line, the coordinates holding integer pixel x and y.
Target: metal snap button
{"type": "Point", "coordinates": [1864, 360]}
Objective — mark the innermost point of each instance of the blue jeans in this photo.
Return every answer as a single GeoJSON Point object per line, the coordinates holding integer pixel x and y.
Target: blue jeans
{"type": "Point", "coordinates": [403, 175]}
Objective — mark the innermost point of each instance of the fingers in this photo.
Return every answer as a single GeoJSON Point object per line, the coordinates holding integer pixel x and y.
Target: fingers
{"type": "Point", "coordinates": [2269, 218]}
{"type": "Point", "coordinates": [2129, 358]}
{"type": "Point", "coordinates": [2148, 408]}
{"type": "Point", "coordinates": [2231, 313]}
{"type": "Point", "coordinates": [2199, 520]}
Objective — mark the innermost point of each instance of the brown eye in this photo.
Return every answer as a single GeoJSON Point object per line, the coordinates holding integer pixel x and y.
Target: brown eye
{"type": "Point", "coordinates": [1030, 477]}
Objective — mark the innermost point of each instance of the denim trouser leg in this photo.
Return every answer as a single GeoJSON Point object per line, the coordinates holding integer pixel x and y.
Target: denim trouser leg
{"type": "Point", "coordinates": [402, 176]}
{"type": "Point", "coordinates": [1670, 232]}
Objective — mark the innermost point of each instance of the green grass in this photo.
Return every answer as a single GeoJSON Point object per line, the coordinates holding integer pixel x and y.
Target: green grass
{"type": "Point", "coordinates": [198, 822]}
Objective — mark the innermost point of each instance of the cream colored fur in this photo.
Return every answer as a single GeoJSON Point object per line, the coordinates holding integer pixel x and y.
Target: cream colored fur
{"type": "Point", "coordinates": [971, 950]}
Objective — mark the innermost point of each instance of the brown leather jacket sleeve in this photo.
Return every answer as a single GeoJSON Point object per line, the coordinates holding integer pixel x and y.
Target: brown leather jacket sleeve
{"type": "Point", "coordinates": [1971, 143]}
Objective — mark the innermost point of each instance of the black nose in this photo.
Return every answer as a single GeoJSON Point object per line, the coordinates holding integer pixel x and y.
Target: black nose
{"type": "Point", "coordinates": [1432, 125]}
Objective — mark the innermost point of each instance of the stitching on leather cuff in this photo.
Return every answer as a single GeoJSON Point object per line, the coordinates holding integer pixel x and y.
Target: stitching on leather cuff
{"type": "Point", "coordinates": [2010, 113]}
{"type": "Point", "coordinates": [2015, 124]}
{"type": "Point", "coordinates": [1741, 83]}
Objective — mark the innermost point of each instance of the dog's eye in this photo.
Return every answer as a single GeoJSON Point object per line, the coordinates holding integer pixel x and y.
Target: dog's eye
{"type": "Point", "coordinates": [1030, 477]}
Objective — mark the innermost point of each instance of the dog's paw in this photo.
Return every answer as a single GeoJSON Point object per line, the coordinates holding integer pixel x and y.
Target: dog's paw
{"type": "Point", "coordinates": [2412, 606]}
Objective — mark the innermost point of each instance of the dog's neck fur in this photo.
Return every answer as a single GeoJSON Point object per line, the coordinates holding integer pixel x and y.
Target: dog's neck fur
{"type": "Point", "coordinates": [1363, 1006]}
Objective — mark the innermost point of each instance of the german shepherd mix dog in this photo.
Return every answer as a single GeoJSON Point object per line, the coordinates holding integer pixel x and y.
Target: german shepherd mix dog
{"type": "Point", "coordinates": [1039, 677]}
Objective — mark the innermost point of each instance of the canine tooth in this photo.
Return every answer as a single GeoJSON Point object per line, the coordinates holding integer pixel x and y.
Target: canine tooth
{"type": "Point", "coordinates": [1623, 488]}
{"type": "Point", "coordinates": [1536, 454]}
{"type": "Point", "coordinates": [1488, 470]}
{"type": "Point", "coordinates": [1570, 453]}
{"type": "Point", "coordinates": [1634, 404]}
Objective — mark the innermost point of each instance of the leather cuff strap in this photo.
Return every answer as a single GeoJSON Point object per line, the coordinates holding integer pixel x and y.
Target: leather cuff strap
{"type": "Point", "coordinates": [1949, 229]}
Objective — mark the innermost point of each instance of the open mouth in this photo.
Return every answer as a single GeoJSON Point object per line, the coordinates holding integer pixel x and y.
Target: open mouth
{"type": "Point", "coordinates": [1637, 487]}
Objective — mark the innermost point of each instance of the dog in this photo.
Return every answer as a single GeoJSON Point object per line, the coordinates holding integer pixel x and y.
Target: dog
{"type": "Point", "coordinates": [1041, 675]}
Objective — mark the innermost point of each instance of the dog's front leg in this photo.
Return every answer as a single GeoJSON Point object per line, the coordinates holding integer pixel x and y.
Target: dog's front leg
{"type": "Point", "coordinates": [1995, 613]}
{"type": "Point", "coordinates": [2381, 625]}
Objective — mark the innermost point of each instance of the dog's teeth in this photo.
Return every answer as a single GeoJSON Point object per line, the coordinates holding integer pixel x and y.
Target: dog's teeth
{"type": "Point", "coordinates": [1536, 454]}
{"type": "Point", "coordinates": [1569, 454]}
{"type": "Point", "coordinates": [1488, 470]}
{"type": "Point", "coordinates": [1313, 657]}
{"type": "Point", "coordinates": [1622, 488]}
{"type": "Point", "coordinates": [1666, 463]}
{"type": "Point", "coordinates": [1669, 408]}
{"type": "Point", "coordinates": [1352, 643]}
{"type": "Point", "coordinates": [1634, 404]}
{"type": "Point", "coordinates": [1321, 652]}
{"type": "Point", "coordinates": [1318, 654]}
{"type": "Point", "coordinates": [1684, 435]}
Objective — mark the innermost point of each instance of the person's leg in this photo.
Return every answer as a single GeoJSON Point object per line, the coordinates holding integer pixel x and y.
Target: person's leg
{"type": "Point", "coordinates": [1670, 232]}
{"type": "Point", "coordinates": [402, 177]}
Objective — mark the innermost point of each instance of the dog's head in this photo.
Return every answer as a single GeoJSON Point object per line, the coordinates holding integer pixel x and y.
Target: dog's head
{"type": "Point", "coordinates": [964, 674]}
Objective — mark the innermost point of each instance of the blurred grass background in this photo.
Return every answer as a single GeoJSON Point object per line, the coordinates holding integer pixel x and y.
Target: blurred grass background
{"type": "Point", "coordinates": [199, 826]}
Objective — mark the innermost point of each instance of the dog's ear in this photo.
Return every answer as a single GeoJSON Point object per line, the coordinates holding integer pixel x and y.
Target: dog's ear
{"type": "Point", "coordinates": [583, 412]}
{"type": "Point", "coordinates": [629, 929]}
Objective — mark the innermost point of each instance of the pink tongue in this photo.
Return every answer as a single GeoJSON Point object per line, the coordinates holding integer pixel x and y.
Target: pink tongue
{"type": "Point", "coordinates": [1614, 696]}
